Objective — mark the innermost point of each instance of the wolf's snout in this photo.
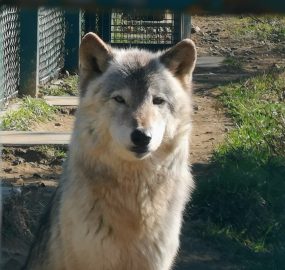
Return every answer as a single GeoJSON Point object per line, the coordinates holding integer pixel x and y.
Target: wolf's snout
{"type": "Point", "coordinates": [140, 138]}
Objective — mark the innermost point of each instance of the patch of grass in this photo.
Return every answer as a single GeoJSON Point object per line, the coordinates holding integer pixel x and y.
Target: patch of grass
{"type": "Point", "coordinates": [266, 28]}
{"type": "Point", "coordinates": [233, 63]}
{"type": "Point", "coordinates": [65, 87]}
{"type": "Point", "coordinates": [52, 151]}
{"type": "Point", "coordinates": [52, 90]}
{"type": "Point", "coordinates": [243, 196]}
{"type": "Point", "coordinates": [31, 110]}
{"type": "Point", "coordinates": [225, 241]}
{"type": "Point", "coordinates": [257, 106]}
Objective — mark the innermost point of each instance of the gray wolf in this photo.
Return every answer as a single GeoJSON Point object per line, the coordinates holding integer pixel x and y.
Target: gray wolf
{"type": "Point", "coordinates": [120, 202]}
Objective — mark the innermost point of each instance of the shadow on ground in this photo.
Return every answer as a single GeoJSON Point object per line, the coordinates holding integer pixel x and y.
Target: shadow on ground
{"type": "Point", "coordinates": [22, 209]}
{"type": "Point", "coordinates": [236, 218]}
{"type": "Point", "coordinates": [208, 79]}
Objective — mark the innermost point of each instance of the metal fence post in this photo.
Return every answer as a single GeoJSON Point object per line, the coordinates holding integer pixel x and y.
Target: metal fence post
{"type": "Point", "coordinates": [186, 26]}
{"type": "Point", "coordinates": [28, 52]}
{"type": "Point", "coordinates": [106, 26]}
{"type": "Point", "coordinates": [72, 39]}
{"type": "Point", "coordinates": [177, 27]}
{"type": "Point", "coordinates": [90, 22]}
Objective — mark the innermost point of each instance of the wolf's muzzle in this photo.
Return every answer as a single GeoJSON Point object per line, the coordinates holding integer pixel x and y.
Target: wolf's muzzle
{"type": "Point", "coordinates": [140, 139]}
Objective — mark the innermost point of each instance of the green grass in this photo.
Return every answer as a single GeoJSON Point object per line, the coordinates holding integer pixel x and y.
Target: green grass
{"type": "Point", "coordinates": [66, 87]}
{"type": "Point", "coordinates": [51, 151]}
{"type": "Point", "coordinates": [242, 197]}
{"type": "Point", "coordinates": [266, 28]}
{"type": "Point", "coordinates": [31, 111]}
{"type": "Point", "coordinates": [233, 62]}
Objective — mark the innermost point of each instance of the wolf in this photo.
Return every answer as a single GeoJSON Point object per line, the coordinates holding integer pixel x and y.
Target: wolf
{"type": "Point", "coordinates": [120, 202]}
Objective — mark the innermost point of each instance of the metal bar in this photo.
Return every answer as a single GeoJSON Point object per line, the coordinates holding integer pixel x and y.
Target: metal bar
{"type": "Point", "coordinates": [186, 26]}
{"type": "Point", "coordinates": [90, 21]}
{"type": "Point", "coordinates": [72, 39]}
{"type": "Point", "coordinates": [28, 52]}
{"type": "Point", "coordinates": [177, 34]}
{"type": "Point", "coordinates": [189, 6]}
{"type": "Point", "coordinates": [106, 26]}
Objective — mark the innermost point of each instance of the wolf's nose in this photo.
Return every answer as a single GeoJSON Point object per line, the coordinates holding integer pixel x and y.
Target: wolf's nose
{"type": "Point", "coordinates": [140, 138]}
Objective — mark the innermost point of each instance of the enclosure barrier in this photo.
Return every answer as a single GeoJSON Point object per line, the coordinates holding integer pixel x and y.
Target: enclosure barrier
{"type": "Point", "coordinates": [9, 52]}
{"type": "Point", "coordinates": [31, 49]}
{"type": "Point", "coordinates": [37, 44]}
{"type": "Point", "coordinates": [185, 6]}
{"type": "Point", "coordinates": [51, 33]}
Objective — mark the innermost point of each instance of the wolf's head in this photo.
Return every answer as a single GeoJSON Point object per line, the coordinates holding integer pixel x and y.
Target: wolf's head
{"type": "Point", "coordinates": [135, 101]}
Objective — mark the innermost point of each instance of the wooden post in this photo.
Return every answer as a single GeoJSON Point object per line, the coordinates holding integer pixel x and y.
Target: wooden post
{"type": "Point", "coordinates": [72, 39]}
{"type": "Point", "coordinates": [28, 52]}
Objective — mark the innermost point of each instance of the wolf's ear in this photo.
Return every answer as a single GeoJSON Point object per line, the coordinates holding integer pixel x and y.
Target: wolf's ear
{"type": "Point", "coordinates": [94, 56]}
{"type": "Point", "coordinates": [181, 59]}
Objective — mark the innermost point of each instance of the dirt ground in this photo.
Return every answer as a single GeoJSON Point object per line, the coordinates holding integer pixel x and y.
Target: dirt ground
{"type": "Point", "coordinates": [31, 175]}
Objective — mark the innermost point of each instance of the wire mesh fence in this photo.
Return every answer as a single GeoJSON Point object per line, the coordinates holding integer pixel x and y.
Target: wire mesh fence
{"type": "Point", "coordinates": [83, 23]}
{"type": "Point", "coordinates": [9, 48]}
{"type": "Point", "coordinates": [91, 22]}
{"type": "Point", "coordinates": [142, 28]}
{"type": "Point", "coordinates": [36, 44]}
{"type": "Point", "coordinates": [51, 34]}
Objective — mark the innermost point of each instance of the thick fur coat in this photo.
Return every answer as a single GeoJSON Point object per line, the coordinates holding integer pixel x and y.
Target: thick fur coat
{"type": "Point", "coordinates": [120, 202]}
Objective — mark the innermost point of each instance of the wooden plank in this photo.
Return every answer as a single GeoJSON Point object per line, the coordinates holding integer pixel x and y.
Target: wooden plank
{"type": "Point", "coordinates": [16, 138]}
{"type": "Point", "coordinates": [61, 100]}
{"type": "Point", "coordinates": [210, 61]}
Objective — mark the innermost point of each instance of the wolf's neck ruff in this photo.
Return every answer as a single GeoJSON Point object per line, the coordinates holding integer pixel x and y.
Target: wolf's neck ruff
{"type": "Point", "coordinates": [135, 199]}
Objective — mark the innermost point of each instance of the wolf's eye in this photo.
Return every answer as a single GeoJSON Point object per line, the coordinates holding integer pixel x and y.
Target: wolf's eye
{"type": "Point", "coordinates": [119, 99]}
{"type": "Point", "coordinates": [158, 101]}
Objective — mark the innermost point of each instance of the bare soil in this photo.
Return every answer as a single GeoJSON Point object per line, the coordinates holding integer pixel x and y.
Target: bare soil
{"type": "Point", "coordinates": [30, 177]}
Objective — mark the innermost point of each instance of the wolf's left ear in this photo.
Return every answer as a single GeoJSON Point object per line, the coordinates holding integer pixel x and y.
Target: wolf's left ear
{"type": "Point", "coordinates": [94, 56]}
{"type": "Point", "coordinates": [181, 59]}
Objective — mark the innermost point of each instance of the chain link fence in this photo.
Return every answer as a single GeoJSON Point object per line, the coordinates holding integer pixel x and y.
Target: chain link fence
{"type": "Point", "coordinates": [142, 28]}
{"type": "Point", "coordinates": [90, 22]}
{"type": "Point", "coordinates": [51, 35]}
{"type": "Point", "coordinates": [9, 52]}
{"type": "Point", "coordinates": [36, 44]}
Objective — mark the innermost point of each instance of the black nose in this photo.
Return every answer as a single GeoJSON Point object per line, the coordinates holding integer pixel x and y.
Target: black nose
{"type": "Point", "coordinates": [139, 138]}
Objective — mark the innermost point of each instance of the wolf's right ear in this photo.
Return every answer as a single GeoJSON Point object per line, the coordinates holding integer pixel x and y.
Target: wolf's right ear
{"type": "Point", "coordinates": [94, 56]}
{"type": "Point", "coordinates": [181, 60]}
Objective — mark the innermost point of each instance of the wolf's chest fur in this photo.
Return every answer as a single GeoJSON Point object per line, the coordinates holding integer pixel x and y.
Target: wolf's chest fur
{"type": "Point", "coordinates": [137, 215]}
